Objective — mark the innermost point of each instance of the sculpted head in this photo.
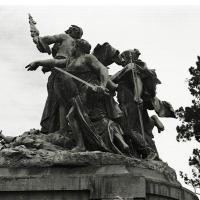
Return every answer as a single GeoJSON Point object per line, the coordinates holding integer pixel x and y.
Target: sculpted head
{"type": "Point", "coordinates": [83, 46]}
{"type": "Point", "coordinates": [128, 55]}
{"type": "Point", "coordinates": [75, 32]}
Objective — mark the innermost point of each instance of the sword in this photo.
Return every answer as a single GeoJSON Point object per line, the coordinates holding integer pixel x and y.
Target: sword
{"type": "Point", "coordinates": [76, 78]}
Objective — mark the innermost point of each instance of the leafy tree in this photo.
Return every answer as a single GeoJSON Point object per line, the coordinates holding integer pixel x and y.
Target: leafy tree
{"type": "Point", "coordinates": [190, 125]}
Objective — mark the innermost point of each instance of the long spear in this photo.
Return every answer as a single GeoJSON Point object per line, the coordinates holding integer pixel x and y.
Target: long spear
{"type": "Point", "coordinates": [139, 104]}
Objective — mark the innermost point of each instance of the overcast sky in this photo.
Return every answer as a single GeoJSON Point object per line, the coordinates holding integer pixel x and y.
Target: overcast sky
{"type": "Point", "coordinates": [167, 36]}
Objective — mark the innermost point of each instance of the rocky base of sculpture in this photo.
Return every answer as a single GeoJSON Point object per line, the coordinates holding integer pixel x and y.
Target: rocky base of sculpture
{"type": "Point", "coordinates": [20, 157]}
{"type": "Point", "coordinates": [32, 167]}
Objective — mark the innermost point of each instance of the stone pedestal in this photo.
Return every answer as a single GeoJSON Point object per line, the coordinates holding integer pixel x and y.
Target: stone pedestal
{"type": "Point", "coordinates": [89, 182]}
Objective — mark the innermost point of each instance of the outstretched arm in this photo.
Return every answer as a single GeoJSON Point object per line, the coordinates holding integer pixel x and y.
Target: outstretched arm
{"type": "Point", "coordinates": [46, 64]}
{"type": "Point", "coordinates": [53, 39]}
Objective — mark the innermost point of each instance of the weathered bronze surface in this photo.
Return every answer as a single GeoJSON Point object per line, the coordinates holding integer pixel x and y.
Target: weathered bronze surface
{"type": "Point", "coordinates": [96, 139]}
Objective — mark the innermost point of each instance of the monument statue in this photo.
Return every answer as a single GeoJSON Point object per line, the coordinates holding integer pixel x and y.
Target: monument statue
{"type": "Point", "coordinates": [96, 137]}
{"type": "Point", "coordinates": [88, 111]}
{"type": "Point", "coordinates": [53, 118]}
{"type": "Point", "coordinates": [81, 106]}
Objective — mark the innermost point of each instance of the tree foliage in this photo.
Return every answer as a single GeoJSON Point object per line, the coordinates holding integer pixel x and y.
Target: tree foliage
{"type": "Point", "coordinates": [190, 125]}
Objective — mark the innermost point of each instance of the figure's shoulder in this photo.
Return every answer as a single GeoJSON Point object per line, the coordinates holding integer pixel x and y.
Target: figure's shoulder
{"type": "Point", "coordinates": [141, 64]}
{"type": "Point", "coordinates": [63, 36]}
{"type": "Point", "coordinates": [90, 58]}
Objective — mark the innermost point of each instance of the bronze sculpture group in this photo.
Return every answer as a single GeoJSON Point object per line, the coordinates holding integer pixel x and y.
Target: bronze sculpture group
{"type": "Point", "coordinates": [102, 112]}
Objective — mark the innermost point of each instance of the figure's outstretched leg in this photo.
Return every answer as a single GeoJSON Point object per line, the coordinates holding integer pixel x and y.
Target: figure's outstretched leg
{"type": "Point", "coordinates": [118, 137]}
{"type": "Point", "coordinates": [157, 123]}
{"type": "Point", "coordinates": [80, 146]}
{"type": "Point", "coordinates": [65, 89]}
{"type": "Point", "coordinates": [62, 117]}
{"type": "Point", "coordinates": [121, 142]}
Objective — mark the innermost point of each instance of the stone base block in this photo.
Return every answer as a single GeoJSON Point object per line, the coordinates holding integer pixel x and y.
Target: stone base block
{"type": "Point", "coordinates": [89, 182]}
